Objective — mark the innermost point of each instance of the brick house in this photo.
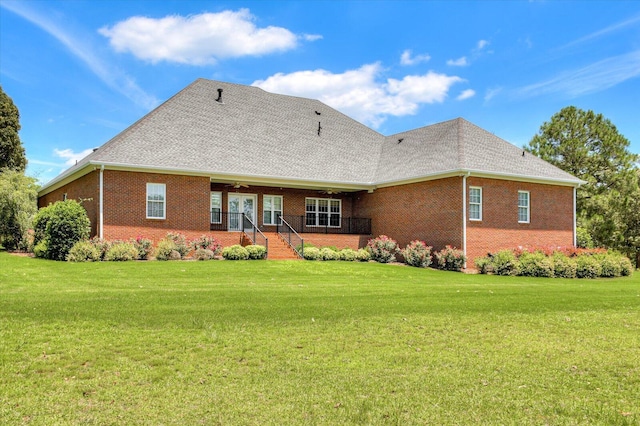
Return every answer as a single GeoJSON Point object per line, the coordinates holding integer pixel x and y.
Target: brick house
{"type": "Point", "coordinates": [247, 165]}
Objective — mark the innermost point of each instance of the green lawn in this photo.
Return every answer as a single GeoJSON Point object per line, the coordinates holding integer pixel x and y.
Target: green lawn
{"type": "Point", "coordinates": [276, 342]}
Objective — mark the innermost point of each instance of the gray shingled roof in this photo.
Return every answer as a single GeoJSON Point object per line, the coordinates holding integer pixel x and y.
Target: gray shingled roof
{"type": "Point", "coordinates": [257, 134]}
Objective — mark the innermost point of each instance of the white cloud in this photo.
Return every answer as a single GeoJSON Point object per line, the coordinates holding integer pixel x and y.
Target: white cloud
{"type": "Point", "coordinates": [406, 59]}
{"type": "Point", "coordinates": [460, 62]}
{"type": "Point", "coordinates": [492, 93]}
{"type": "Point", "coordinates": [81, 48]}
{"type": "Point", "coordinates": [482, 44]}
{"type": "Point", "coordinates": [612, 28]}
{"type": "Point", "coordinates": [70, 156]}
{"type": "Point", "coordinates": [593, 78]}
{"type": "Point", "coordinates": [466, 94]}
{"type": "Point", "coordinates": [199, 39]}
{"type": "Point", "coordinates": [363, 93]}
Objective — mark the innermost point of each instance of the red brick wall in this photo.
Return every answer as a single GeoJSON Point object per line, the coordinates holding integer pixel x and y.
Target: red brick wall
{"type": "Point", "coordinates": [551, 217]}
{"type": "Point", "coordinates": [429, 211]}
{"type": "Point", "coordinates": [85, 190]}
{"type": "Point", "coordinates": [125, 198]}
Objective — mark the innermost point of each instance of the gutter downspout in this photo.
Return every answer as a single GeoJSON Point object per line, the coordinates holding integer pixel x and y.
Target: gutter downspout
{"type": "Point", "coordinates": [101, 231]}
{"type": "Point", "coordinates": [575, 219]}
{"type": "Point", "coordinates": [464, 216]}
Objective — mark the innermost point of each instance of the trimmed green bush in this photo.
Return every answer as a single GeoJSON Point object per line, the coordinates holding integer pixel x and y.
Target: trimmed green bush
{"type": "Point", "coordinates": [363, 255]}
{"type": "Point", "coordinates": [450, 259]}
{"type": "Point", "coordinates": [505, 263]}
{"type": "Point", "coordinates": [347, 255]}
{"type": "Point", "coordinates": [61, 225]}
{"type": "Point", "coordinates": [84, 251]}
{"type": "Point", "coordinates": [483, 265]}
{"type": "Point", "coordinates": [563, 266]}
{"type": "Point", "coordinates": [40, 249]}
{"type": "Point", "coordinates": [327, 253]}
{"type": "Point", "coordinates": [626, 267]}
{"type": "Point", "coordinates": [256, 252]}
{"type": "Point", "coordinates": [311, 253]}
{"type": "Point", "coordinates": [165, 248]}
{"type": "Point", "coordinates": [383, 249]}
{"type": "Point", "coordinates": [588, 267]}
{"type": "Point", "coordinates": [535, 265]}
{"type": "Point", "coordinates": [609, 264]}
{"type": "Point", "coordinates": [418, 254]}
{"type": "Point", "coordinates": [121, 251]}
{"type": "Point", "coordinates": [235, 252]}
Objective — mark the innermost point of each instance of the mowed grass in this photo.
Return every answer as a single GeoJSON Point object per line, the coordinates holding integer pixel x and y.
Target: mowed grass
{"type": "Point", "coordinates": [277, 342]}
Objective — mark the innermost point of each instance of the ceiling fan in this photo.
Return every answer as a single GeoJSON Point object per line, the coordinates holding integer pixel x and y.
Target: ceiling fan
{"type": "Point", "coordinates": [238, 185]}
{"type": "Point", "coordinates": [330, 191]}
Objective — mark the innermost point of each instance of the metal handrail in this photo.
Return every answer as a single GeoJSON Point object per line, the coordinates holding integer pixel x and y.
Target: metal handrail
{"type": "Point", "coordinates": [255, 231]}
{"type": "Point", "coordinates": [287, 238]}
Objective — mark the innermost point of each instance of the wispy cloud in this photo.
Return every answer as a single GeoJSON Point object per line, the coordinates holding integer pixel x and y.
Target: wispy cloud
{"type": "Point", "coordinates": [407, 59]}
{"type": "Point", "coordinates": [492, 93]}
{"type": "Point", "coordinates": [70, 156]}
{"type": "Point", "coordinates": [200, 39]}
{"type": "Point", "coordinates": [593, 78]}
{"type": "Point", "coordinates": [364, 93]}
{"type": "Point", "coordinates": [80, 47]}
{"type": "Point", "coordinates": [610, 29]}
{"type": "Point", "coordinates": [466, 94]}
{"type": "Point", "coordinates": [460, 62]}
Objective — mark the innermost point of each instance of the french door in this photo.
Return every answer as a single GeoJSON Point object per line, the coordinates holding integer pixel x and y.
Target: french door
{"type": "Point", "coordinates": [238, 204]}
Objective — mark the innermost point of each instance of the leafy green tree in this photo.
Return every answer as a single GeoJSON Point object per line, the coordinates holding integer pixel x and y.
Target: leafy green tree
{"type": "Point", "coordinates": [18, 206]}
{"type": "Point", "coordinates": [11, 149]}
{"type": "Point", "coordinates": [58, 227]}
{"type": "Point", "coordinates": [589, 146]}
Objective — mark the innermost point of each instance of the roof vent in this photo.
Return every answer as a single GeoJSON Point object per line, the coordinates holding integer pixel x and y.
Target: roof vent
{"type": "Point", "coordinates": [219, 96]}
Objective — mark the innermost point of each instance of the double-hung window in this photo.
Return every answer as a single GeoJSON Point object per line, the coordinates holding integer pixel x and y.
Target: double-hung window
{"type": "Point", "coordinates": [524, 213]}
{"type": "Point", "coordinates": [475, 203]}
{"type": "Point", "coordinates": [156, 201]}
{"type": "Point", "coordinates": [323, 212]}
{"type": "Point", "coordinates": [216, 207]}
{"type": "Point", "coordinates": [271, 209]}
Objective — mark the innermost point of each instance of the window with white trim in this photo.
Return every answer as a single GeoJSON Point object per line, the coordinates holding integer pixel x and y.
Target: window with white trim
{"type": "Point", "coordinates": [271, 209]}
{"type": "Point", "coordinates": [475, 203]}
{"type": "Point", "coordinates": [323, 212]}
{"type": "Point", "coordinates": [523, 207]}
{"type": "Point", "coordinates": [156, 201]}
{"type": "Point", "coordinates": [216, 207]}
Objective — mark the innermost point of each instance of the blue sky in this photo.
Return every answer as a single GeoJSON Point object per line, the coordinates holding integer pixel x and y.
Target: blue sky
{"type": "Point", "coordinates": [80, 72]}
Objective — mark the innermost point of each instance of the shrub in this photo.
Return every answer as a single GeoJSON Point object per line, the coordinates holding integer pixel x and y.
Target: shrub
{"type": "Point", "coordinates": [563, 266]}
{"type": "Point", "coordinates": [347, 255]}
{"type": "Point", "coordinates": [327, 253]}
{"type": "Point", "coordinates": [450, 259]}
{"type": "Point", "coordinates": [256, 252]}
{"type": "Point", "coordinates": [382, 249]}
{"type": "Point", "coordinates": [180, 242]}
{"type": "Point", "coordinates": [311, 253]}
{"type": "Point", "coordinates": [121, 251]}
{"type": "Point", "coordinates": [61, 225]}
{"type": "Point", "coordinates": [483, 265]}
{"type": "Point", "coordinates": [83, 251]}
{"type": "Point", "coordinates": [363, 255]}
{"type": "Point", "coordinates": [417, 254]}
{"type": "Point", "coordinates": [101, 245]}
{"type": "Point", "coordinates": [207, 242]}
{"type": "Point", "coordinates": [626, 267]}
{"type": "Point", "coordinates": [504, 262]}
{"type": "Point", "coordinates": [583, 238]}
{"type": "Point", "coordinates": [535, 265]}
{"type": "Point", "coordinates": [235, 252]}
{"type": "Point", "coordinates": [610, 265]}
{"type": "Point", "coordinates": [40, 249]}
{"type": "Point", "coordinates": [144, 247]}
{"type": "Point", "coordinates": [165, 248]}
{"type": "Point", "coordinates": [203, 254]}
{"type": "Point", "coordinates": [588, 267]}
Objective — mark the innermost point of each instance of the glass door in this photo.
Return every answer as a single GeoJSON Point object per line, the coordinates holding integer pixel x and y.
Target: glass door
{"type": "Point", "coordinates": [238, 204]}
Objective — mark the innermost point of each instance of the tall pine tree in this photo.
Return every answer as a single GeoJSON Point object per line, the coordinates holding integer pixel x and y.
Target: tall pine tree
{"type": "Point", "coordinates": [11, 149]}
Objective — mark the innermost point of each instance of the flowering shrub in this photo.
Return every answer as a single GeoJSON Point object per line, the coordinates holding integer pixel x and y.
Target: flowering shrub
{"type": "Point", "coordinates": [83, 251]}
{"type": "Point", "coordinates": [347, 254]}
{"type": "Point", "coordinates": [256, 252]}
{"type": "Point", "coordinates": [328, 253]}
{"type": "Point", "coordinates": [563, 266]}
{"type": "Point", "coordinates": [362, 255]}
{"type": "Point", "coordinates": [144, 246]}
{"type": "Point", "coordinates": [450, 259]}
{"type": "Point", "coordinates": [311, 253]}
{"type": "Point", "coordinates": [203, 254]}
{"type": "Point", "coordinates": [535, 265]}
{"type": "Point", "coordinates": [588, 267]}
{"type": "Point", "coordinates": [383, 249]}
{"type": "Point", "coordinates": [166, 250]}
{"type": "Point", "coordinates": [504, 262]}
{"type": "Point", "coordinates": [235, 252]}
{"type": "Point", "coordinates": [417, 254]}
{"type": "Point", "coordinates": [180, 242]}
{"type": "Point", "coordinates": [207, 242]}
{"type": "Point", "coordinates": [121, 251]}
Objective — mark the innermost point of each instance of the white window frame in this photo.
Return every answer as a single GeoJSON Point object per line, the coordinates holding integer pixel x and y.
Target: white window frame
{"type": "Point", "coordinates": [316, 213]}
{"type": "Point", "coordinates": [155, 189]}
{"type": "Point", "coordinates": [217, 194]}
{"type": "Point", "coordinates": [472, 203]}
{"type": "Point", "coordinates": [524, 208]}
{"type": "Point", "coordinates": [273, 210]}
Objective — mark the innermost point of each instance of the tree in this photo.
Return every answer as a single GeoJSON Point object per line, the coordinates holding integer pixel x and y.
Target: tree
{"type": "Point", "coordinates": [58, 227]}
{"type": "Point", "coordinates": [589, 146]}
{"type": "Point", "coordinates": [18, 198]}
{"type": "Point", "coordinates": [11, 149]}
